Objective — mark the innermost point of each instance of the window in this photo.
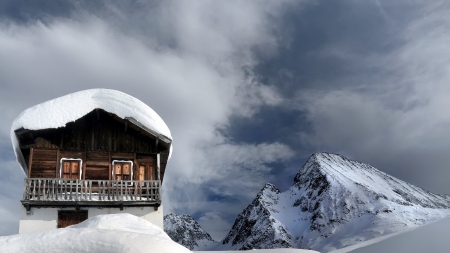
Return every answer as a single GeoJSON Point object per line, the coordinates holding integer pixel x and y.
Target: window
{"type": "Point", "coordinates": [70, 168]}
{"type": "Point", "coordinates": [122, 170]}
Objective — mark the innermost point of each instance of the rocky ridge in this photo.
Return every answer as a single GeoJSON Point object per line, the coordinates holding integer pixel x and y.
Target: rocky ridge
{"type": "Point", "coordinates": [333, 203]}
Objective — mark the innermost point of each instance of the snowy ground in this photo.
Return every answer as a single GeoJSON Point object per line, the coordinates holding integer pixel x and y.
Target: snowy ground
{"type": "Point", "coordinates": [264, 251]}
{"type": "Point", "coordinates": [432, 237]}
{"type": "Point", "coordinates": [113, 233]}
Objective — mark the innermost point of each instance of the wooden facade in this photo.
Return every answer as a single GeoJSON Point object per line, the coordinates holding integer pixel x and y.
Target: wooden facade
{"type": "Point", "coordinates": [99, 149]}
{"type": "Point", "coordinates": [97, 139]}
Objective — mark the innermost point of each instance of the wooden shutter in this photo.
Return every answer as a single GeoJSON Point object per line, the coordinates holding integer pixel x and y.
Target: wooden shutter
{"type": "Point", "coordinates": [66, 169]}
{"type": "Point", "coordinates": [122, 171]}
{"type": "Point", "coordinates": [75, 170]}
{"type": "Point", "coordinates": [150, 173]}
{"type": "Point", "coordinates": [126, 171]}
{"type": "Point", "coordinates": [117, 171]}
{"type": "Point", "coordinates": [71, 169]}
{"type": "Point", "coordinates": [141, 173]}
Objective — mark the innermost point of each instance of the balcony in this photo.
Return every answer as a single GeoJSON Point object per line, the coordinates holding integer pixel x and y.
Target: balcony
{"type": "Point", "coordinates": [57, 192]}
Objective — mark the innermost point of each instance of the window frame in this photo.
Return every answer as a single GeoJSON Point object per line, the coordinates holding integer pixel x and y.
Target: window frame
{"type": "Point", "coordinates": [131, 171]}
{"type": "Point", "coordinates": [70, 159]}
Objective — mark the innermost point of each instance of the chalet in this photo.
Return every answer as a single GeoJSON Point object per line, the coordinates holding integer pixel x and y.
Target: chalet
{"type": "Point", "coordinates": [88, 153]}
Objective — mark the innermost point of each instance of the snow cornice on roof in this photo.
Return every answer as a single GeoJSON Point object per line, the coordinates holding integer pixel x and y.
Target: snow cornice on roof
{"type": "Point", "coordinates": [58, 112]}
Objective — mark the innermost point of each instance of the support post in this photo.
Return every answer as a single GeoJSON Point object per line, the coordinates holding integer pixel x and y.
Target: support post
{"type": "Point", "coordinates": [158, 160]}
{"type": "Point", "coordinates": [30, 162]}
{"type": "Point", "coordinates": [57, 163]}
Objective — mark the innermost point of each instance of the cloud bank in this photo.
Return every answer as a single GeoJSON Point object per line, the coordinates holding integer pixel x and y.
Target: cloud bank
{"type": "Point", "coordinates": [190, 61]}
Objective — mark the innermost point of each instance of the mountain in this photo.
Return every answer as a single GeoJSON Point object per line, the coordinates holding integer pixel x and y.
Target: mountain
{"type": "Point", "coordinates": [333, 203]}
{"type": "Point", "coordinates": [184, 230]}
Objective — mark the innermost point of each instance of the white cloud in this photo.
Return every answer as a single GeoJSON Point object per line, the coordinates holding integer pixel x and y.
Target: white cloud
{"type": "Point", "coordinates": [397, 118]}
{"type": "Point", "coordinates": [190, 61]}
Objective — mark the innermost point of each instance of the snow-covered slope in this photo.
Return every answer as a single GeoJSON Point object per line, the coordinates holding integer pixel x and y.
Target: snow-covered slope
{"type": "Point", "coordinates": [112, 233]}
{"type": "Point", "coordinates": [184, 230]}
{"type": "Point", "coordinates": [334, 202]}
{"type": "Point", "coordinates": [60, 111]}
{"type": "Point", "coordinates": [281, 250]}
{"type": "Point", "coordinates": [428, 238]}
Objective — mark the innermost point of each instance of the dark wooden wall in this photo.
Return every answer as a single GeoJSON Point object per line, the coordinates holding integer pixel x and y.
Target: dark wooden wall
{"type": "Point", "coordinates": [97, 131]}
{"type": "Point", "coordinates": [97, 138]}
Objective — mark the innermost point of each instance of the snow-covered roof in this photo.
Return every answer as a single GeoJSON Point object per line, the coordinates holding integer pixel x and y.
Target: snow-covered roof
{"type": "Point", "coordinates": [58, 112]}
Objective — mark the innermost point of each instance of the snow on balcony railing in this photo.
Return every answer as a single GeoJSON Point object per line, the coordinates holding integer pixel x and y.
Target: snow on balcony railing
{"type": "Point", "coordinates": [59, 189]}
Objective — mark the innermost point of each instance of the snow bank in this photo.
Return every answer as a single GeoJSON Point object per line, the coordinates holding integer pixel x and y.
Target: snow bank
{"type": "Point", "coordinates": [101, 234]}
{"type": "Point", "coordinates": [428, 238]}
{"type": "Point", "coordinates": [264, 251]}
{"type": "Point", "coordinates": [60, 111]}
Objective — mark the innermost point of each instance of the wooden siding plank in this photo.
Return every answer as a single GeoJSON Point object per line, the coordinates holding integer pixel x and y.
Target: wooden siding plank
{"type": "Point", "coordinates": [57, 163]}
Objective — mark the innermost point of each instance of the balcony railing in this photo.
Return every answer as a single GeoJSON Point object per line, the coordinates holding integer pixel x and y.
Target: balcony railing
{"type": "Point", "coordinates": [59, 189]}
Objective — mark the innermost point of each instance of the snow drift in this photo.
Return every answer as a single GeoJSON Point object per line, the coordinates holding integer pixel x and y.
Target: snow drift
{"type": "Point", "coordinates": [110, 233]}
{"type": "Point", "coordinates": [60, 111]}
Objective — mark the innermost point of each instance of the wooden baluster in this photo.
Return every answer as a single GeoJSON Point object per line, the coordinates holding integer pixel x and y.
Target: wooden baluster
{"type": "Point", "coordinates": [83, 190]}
{"type": "Point", "coordinates": [29, 191]}
{"type": "Point", "coordinates": [49, 188]}
{"type": "Point", "coordinates": [48, 191]}
{"type": "Point", "coordinates": [148, 191]}
{"type": "Point", "coordinates": [104, 190]}
{"type": "Point", "coordinates": [114, 193]}
{"type": "Point", "coordinates": [108, 189]}
{"type": "Point", "coordinates": [126, 191]}
{"type": "Point", "coordinates": [90, 190]}
{"type": "Point", "coordinates": [116, 190]}
{"type": "Point", "coordinates": [159, 189]}
{"type": "Point", "coordinates": [39, 190]}
{"type": "Point", "coordinates": [52, 193]}
{"type": "Point", "coordinates": [141, 186]}
{"type": "Point", "coordinates": [99, 189]}
{"type": "Point", "coordinates": [76, 189]}
{"type": "Point", "coordinates": [43, 189]}
{"type": "Point", "coordinates": [65, 190]}
{"type": "Point", "coordinates": [57, 187]}
{"type": "Point", "coordinates": [70, 188]}
{"type": "Point", "coordinates": [153, 190]}
{"type": "Point", "coordinates": [25, 190]}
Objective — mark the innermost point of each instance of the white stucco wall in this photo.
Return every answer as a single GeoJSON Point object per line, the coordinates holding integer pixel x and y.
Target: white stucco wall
{"type": "Point", "coordinates": [39, 219]}
{"type": "Point", "coordinates": [46, 218]}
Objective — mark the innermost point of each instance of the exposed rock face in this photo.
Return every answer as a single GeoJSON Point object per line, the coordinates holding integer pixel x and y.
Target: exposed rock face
{"type": "Point", "coordinates": [255, 228]}
{"type": "Point", "coordinates": [184, 230]}
{"type": "Point", "coordinates": [334, 202]}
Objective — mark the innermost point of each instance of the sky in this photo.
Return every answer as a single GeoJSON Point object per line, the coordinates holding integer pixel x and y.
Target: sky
{"type": "Point", "coordinates": [249, 89]}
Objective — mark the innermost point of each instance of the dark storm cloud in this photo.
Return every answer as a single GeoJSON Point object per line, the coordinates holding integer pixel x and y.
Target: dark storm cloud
{"type": "Point", "coordinates": [364, 79]}
{"type": "Point", "coordinates": [30, 10]}
{"type": "Point", "coordinates": [391, 115]}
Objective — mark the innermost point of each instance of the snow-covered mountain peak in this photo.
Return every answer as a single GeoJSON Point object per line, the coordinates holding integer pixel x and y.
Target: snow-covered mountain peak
{"type": "Point", "coordinates": [324, 171]}
{"type": "Point", "coordinates": [334, 202]}
{"type": "Point", "coordinates": [184, 230]}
